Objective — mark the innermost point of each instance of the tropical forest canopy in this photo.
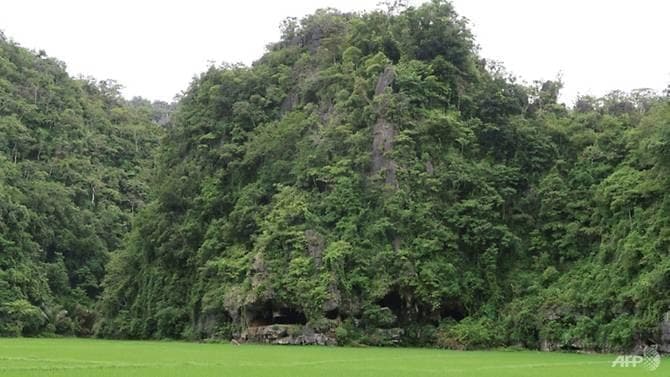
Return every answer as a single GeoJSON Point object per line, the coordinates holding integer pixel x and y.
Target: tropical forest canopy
{"type": "Point", "coordinates": [370, 176]}
{"type": "Point", "coordinates": [74, 167]}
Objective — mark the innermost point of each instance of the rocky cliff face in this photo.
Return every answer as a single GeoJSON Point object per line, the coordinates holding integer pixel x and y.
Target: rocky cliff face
{"type": "Point", "coordinates": [384, 133]}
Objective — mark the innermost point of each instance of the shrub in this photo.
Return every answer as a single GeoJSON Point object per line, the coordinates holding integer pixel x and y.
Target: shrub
{"type": "Point", "coordinates": [470, 333]}
{"type": "Point", "coordinates": [20, 317]}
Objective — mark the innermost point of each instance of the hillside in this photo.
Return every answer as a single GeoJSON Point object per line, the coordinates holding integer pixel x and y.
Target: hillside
{"type": "Point", "coordinates": [372, 180]}
{"type": "Point", "coordinates": [75, 163]}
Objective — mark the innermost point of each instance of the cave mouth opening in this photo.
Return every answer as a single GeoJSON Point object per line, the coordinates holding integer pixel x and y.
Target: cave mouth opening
{"type": "Point", "coordinates": [393, 301]}
{"type": "Point", "coordinates": [289, 316]}
{"type": "Point", "coordinates": [332, 314]}
{"type": "Point", "coordinates": [453, 310]}
{"type": "Point", "coordinates": [271, 313]}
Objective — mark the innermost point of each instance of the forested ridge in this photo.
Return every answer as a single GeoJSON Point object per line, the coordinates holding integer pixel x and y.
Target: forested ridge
{"type": "Point", "coordinates": [371, 179]}
{"type": "Point", "coordinates": [74, 167]}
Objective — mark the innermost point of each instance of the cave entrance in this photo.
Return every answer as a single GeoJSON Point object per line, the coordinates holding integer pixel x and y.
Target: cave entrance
{"type": "Point", "coordinates": [269, 313]}
{"type": "Point", "coordinates": [333, 314]}
{"type": "Point", "coordinates": [453, 310]}
{"type": "Point", "coordinates": [289, 316]}
{"type": "Point", "coordinates": [393, 301]}
{"type": "Point", "coordinates": [260, 315]}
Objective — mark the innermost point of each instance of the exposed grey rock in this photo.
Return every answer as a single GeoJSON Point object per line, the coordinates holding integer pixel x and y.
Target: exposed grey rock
{"type": "Point", "coordinates": [312, 39]}
{"type": "Point", "coordinates": [315, 245]}
{"type": "Point", "coordinates": [383, 134]}
{"type": "Point", "coordinates": [287, 335]}
{"type": "Point", "coordinates": [334, 297]}
{"type": "Point", "coordinates": [258, 271]}
{"type": "Point", "coordinates": [547, 345]}
{"type": "Point", "coordinates": [326, 111]}
{"type": "Point", "coordinates": [665, 334]}
{"type": "Point", "coordinates": [289, 103]}
{"type": "Point", "coordinates": [430, 169]}
{"type": "Point", "coordinates": [391, 336]}
{"type": "Point", "coordinates": [385, 80]}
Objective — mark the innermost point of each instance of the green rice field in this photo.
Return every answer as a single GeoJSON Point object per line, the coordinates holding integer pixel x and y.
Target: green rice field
{"type": "Point", "coordinates": [80, 357]}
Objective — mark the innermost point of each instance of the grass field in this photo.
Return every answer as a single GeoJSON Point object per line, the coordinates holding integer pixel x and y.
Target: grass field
{"type": "Point", "coordinates": [79, 358]}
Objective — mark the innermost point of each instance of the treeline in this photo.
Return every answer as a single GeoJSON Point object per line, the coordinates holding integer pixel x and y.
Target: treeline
{"type": "Point", "coordinates": [370, 177]}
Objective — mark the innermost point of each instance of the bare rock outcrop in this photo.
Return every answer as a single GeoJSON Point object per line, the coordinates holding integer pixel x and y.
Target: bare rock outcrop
{"type": "Point", "coordinates": [287, 335]}
{"type": "Point", "coordinates": [383, 133]}
{"type": "Point", "coordinates": [315, 245]}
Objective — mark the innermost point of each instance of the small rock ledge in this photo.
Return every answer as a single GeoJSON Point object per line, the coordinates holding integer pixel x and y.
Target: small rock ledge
{"type": "Point", "coordinates": [286, 334]}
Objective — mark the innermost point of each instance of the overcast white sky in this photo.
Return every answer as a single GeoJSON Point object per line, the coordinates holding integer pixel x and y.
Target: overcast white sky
{"type": "Point", "coordinates": [154, 48]}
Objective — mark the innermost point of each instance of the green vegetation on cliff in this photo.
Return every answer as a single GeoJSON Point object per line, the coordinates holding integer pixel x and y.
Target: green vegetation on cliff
{"type": "Point", "coordinates": [372, 172]}
{"type": "Point", "coordinates": [371, 179]}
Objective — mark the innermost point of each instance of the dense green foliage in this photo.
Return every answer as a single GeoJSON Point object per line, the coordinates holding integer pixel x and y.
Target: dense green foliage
{"type": "Point", "coordinates": [372, 172]}
{"type": "Point", "coordinates": [73, 169]}
{"type": "Point", "coordinates": [103, 358]}
{"type": "Point", "coordinates": [369, 176]}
